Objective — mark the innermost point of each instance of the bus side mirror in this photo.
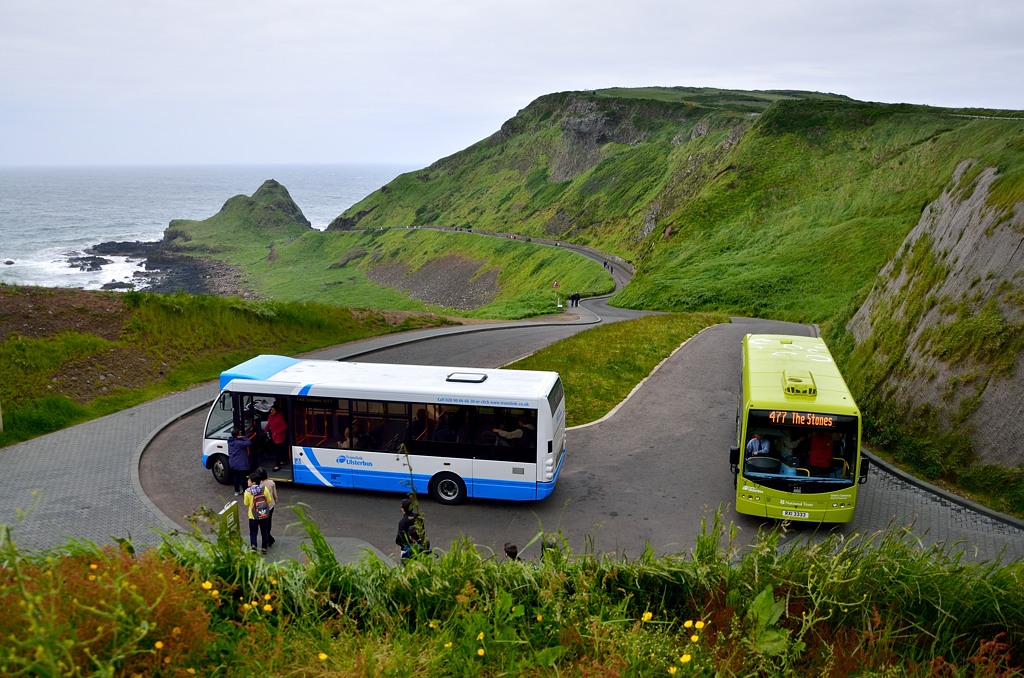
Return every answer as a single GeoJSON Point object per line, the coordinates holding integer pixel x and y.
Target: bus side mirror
{"type": "Point", "coordinates": [734, 459]}
{"type": "Point", "coordinates": [864, 464]}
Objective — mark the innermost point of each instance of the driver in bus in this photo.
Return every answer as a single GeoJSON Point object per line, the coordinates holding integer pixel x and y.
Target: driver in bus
{"type": "Point", "coordinates": [758, 446]}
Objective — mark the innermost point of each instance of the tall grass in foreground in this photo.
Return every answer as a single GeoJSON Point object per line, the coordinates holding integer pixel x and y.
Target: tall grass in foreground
{"type": "Point", "coordinates": [202, 603]}
{"type": "Point", "coordinates": [599, 367]}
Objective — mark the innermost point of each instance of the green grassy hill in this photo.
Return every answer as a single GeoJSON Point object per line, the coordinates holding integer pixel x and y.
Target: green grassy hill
{"type": "Point", "coordinates": [785, 205]}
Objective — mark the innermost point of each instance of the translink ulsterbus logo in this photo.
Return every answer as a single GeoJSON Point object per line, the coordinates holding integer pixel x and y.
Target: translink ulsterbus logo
{"type": "Point", "coordinates": [352, 461]}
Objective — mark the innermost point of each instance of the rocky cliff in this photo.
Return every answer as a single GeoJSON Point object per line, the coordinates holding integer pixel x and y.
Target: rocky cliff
{"type": "Point", "coordinates": [942, 330]}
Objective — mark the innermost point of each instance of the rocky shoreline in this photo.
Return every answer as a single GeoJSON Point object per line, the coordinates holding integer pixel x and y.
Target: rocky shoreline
{"type": "Point", "coordinates": [164, 271]}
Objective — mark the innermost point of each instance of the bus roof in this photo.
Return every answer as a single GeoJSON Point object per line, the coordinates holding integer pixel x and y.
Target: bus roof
{"type": "Point", "coordinates": [330, 378]}
{"type": "Point", "coordinates": [783, 371]}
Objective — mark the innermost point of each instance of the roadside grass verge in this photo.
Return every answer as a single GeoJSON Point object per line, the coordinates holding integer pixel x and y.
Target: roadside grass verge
{"type": "Point", "coordinates": [600, 366]}
{"type": "Point", "coordinates": [202, 603]}
{"type": "Point", "coordinates": [168, 343]}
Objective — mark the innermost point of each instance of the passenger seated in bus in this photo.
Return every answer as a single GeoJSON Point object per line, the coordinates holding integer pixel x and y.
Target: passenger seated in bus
{"type": "Point", "coordinates": [444, 432]}
{"type": "Point", "coordinates": [421, 427]}
{"type": "Point", "coordinates": [359, 439]}
{"type": "Point", "coordinates": [758, 445]}
{"type": "Point", "coordinates": [819, 460]}
{"type": "Point", "coordinates": [509, 433]}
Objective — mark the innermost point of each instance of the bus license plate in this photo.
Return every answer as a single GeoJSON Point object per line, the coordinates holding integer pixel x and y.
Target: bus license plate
{"type": "Point", "coordinates": [795, 514]}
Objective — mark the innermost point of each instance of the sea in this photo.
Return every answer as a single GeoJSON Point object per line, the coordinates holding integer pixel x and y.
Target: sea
{"type": "Point", "coordinates": [51, 214]}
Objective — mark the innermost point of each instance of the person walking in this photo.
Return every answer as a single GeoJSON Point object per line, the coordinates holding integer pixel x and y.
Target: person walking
{"type": "Point", "coordinates": [511, 552]}
{"type": "Point", "coordinates": [239, 463]}
{"type": "Point", "coordinates": [258, 510]}
{"type": "Point", "coordinates": [270, 489]}
{"type": "Point", "coordinates": [410, 536]}
{"type": "Point", "coordinates": [277, 429]}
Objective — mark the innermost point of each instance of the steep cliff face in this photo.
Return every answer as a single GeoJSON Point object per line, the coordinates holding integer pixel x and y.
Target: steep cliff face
{"type": "Point", "coordinates": [942, 330]}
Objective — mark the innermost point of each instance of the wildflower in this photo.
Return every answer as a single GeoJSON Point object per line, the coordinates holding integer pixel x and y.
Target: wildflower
{"type": "Point", "coordinates": [92, 577]}
{"type": "Point", "coordinates": [159, 645]}
{"type": "Point", "coordinates": [268, 608]}
{"type": "Point", "coordinates": [207, 585]}
{"type": "Point", "coordinates": [688, 623]}
{"type": "Point", "coordinates": [480, 652]}
{"type": "Point", "coordinates": [540, 617]}
{"type": "Point", "coordinates": [176, 631]}
{"type": "Point", "coordinates": [434, 624]}
{"type": "Point", "coordinates": [671, 670]}
{"type": "Point", "coordinates": [191, 671]}
{"type": "Point", "coordinates": [322, 656]}
{"type": "Point", "coordinates": [685, 659]}
{"type": "Point", "coordinates": [647, 616]}
{"type": "Point", "coordinates": [93, 566]}
{"type": "Point", "coordinates": [214, 593]}
{"type": "Point", "coordinates": [480, 636]}
{"type": "Point", "coordinates": [448, 645]}
{"type": "Point", "coordinates": [167, 660]}
{"type": "Point", "coordinates": [246, 607]}
{"type": "Point", "coordinates": [273, 581]}
{"type": "Point", "coordinates": [699, 625]}
{"type": "Point", "coordinates": [694, 638]}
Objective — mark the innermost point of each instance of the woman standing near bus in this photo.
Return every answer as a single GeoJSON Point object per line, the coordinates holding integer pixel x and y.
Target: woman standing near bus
{"type": "Point", "coordinates": [277, 429]}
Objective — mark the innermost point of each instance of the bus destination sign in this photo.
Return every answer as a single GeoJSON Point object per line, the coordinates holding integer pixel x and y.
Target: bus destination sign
{"type": "Point", "coordinates": [801, 418]}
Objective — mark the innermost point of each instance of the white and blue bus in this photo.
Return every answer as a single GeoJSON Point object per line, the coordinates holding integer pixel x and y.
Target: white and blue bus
{"type": "Point", "coordinates": [454, 433]}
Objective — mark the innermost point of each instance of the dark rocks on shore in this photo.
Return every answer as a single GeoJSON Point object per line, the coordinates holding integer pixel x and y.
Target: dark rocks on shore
{"type": "Point", "coordinates": [88, 263]}
{"type": "Point", "coordinates": [166, 271]}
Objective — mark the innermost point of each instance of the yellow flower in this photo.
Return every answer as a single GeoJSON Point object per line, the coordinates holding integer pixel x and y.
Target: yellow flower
{"type": "Point", "coordinates": [273, 581]}
{"type": "Point", "coordinates": [93, 566]}
{"type": "Point", "coordinates": [648, 616]}
{"type": "Point", "coordinates": [268, 607]}
{"type": "Point", "coordinates": [694, 638]}
{"type": "Point", "coordinates": [672, 670]}
{"type": "Point", "coordinates": [167, 660]}
{"type": "Point", "coordinates": [480, 652]}
{"type": "Point", "coordinates": [540, 617]}
{"type": "Point", "coordinates": [159, 645]}
{"type": "Point", "coordinates": [207, 585]}
{"type": "Point", "coordinates": [92, 577]}
{"type": "Point", "coordinates": [214, 593]}
{"type": "Point", "coordinates": [685, 659]}
{"type": "Point", "coordinates": [688, 623]}
{"type": "Point", "coordinates": [191, 671]}
{"type": "Point", "coordinates": [322, 656]}
{"type": "Point", "coordinates": [434, 624]}
{"type": "Point", "coordinates": [480, 636]}
{"type": "Point", "coordinates": [448, 645]}
{"type": "Point", "coordinates": [176, 631]}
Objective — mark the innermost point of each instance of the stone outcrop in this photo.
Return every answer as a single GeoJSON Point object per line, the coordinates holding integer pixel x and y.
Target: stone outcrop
{"type": "Point", "coordinates": [956, 289]}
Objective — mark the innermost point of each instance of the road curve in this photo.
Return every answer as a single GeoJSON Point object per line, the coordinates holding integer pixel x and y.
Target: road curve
{"type": "Point", "coordinates": [647, 474]}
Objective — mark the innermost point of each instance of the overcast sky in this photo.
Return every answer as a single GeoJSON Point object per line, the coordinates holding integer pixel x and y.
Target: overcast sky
{"type": "Point", "coordinates": [401, 81]}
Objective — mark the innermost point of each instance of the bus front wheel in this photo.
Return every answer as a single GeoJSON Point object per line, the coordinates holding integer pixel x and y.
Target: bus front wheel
{"type": "Point", "coordinates": [447, 488]}
{"type": "Point", "coordinates": [221, 472]}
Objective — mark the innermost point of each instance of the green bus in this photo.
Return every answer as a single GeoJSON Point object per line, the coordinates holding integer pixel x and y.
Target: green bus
{"type": "Point", "coordinates": [798, 433]}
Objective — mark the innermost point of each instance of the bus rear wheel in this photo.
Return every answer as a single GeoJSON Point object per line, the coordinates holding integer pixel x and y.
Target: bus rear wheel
{"type": "Point", "coordinates": [447, 488]}
{"type": "Point", "coordinates": [221, 472]}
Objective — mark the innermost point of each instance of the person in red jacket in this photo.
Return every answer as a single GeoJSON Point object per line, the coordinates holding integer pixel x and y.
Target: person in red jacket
{"type": "Point", "coordinates": [820, 458]}
{"type": "Point", "coordinates": [277, 429]}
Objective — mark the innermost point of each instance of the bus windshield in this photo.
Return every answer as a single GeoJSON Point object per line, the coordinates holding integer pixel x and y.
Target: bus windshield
{"type": "Point", "coordinates": [800, 451]}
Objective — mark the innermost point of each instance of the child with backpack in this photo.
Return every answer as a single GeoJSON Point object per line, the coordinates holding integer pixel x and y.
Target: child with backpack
{"type": "Point", "coordinates": [258, 505]}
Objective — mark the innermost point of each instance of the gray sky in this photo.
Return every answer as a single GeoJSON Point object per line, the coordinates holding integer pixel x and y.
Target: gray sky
{"type": "Point", "coordinates": [401, 81]}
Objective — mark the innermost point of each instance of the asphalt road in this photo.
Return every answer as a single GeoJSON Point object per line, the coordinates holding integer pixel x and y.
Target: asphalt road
{"type": "Point", "coordinates": [650, 473]}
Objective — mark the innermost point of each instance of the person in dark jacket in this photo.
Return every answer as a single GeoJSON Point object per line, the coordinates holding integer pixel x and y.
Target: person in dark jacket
{"type": "Point", "coordinates": [239, 447]}
{"type": "Point", "coordinates": [410, 531]}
